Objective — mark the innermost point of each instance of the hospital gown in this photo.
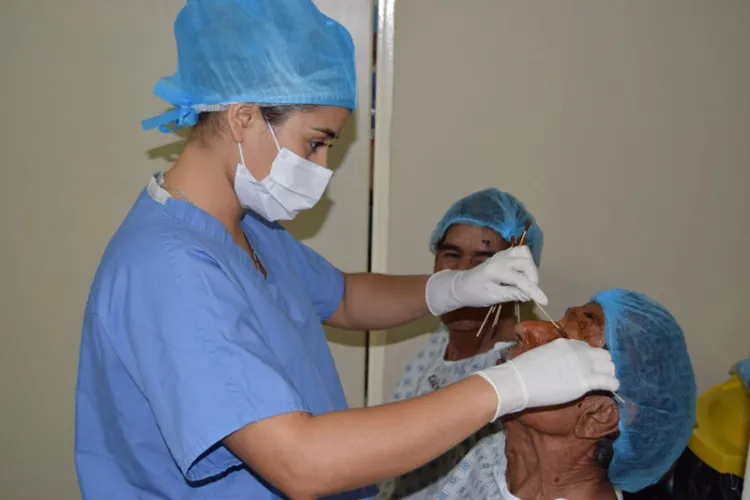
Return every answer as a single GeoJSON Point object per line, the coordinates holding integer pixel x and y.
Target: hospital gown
{"type": "Point", "coordinates": [427, 372]}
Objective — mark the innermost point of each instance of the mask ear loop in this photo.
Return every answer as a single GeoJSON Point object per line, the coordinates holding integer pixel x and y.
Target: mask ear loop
{"type": "Point", "coordinates": [242, 156]}
{"type": "Point", "coordinates": [273, 135]}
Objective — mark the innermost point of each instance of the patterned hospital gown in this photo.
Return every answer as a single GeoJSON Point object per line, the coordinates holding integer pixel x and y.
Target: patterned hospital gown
{"type": "Point", "coordinates": [465, 466]}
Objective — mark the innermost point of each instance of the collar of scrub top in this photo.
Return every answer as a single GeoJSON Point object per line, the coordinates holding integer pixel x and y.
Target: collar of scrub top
{"type": "Point", "coordinates": [196, 218]}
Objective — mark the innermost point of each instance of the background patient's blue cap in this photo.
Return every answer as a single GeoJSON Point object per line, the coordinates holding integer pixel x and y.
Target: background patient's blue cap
{"type": "Point", "coordinates": [502, 212]}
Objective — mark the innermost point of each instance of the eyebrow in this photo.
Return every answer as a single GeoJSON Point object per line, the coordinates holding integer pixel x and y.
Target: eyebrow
{"type": "Point", "coordinates": [327, 131]}
{"type": "Point", "coordinates": [484, 253]}
{"type": "Point", "coordinates": [455, 248]}
{"type": "Point", "coordinates": [449, 246]}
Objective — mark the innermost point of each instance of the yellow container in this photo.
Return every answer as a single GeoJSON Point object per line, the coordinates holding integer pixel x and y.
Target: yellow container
{"type": "Point", "coordinates": [722, 429]}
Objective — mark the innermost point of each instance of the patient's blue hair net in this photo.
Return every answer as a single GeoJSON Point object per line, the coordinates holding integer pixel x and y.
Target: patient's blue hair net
{"type": "Point", "coordinates": [499, 211]}
{"type": "Point", "coordinates": [269, 52]}
{"type": "Point", "coordinates": [656, 382]}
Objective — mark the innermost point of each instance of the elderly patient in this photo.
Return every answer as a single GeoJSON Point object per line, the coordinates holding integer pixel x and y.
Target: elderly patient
{"type": "Point", "coordinates": [596, 447]}
{"type": "Point", "coordinates": [472, 230]}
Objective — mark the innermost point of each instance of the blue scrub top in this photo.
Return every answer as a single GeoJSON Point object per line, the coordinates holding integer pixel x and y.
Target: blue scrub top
{"type": "Point", "coordinates": [184, 342]}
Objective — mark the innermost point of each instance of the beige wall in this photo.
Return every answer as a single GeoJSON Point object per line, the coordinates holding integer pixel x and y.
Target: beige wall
{"type": "Point", "coordinates": [624, 127]}
{"type": "Point", "coordinates": [75, 82]}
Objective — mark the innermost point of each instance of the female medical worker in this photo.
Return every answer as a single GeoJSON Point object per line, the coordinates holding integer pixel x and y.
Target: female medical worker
{"type": "Point", "coordinates": [204, 371]}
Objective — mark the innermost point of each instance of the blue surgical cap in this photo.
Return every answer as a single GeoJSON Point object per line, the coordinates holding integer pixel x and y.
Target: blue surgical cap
{"type": "Point", "coordinates": [742, 369]}
{"type": "Point", "coordinates": [269, 52]}
{"type": "Point", "coordinates": [657, 383]}
{"type": "Point", "coordinates": [494, 209]}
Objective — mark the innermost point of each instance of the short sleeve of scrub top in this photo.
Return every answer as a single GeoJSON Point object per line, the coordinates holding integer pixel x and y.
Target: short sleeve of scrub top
{"type": "Point", "coordinates": [323, 282]}
{"type": "Point", "coordinates": [202, 340]}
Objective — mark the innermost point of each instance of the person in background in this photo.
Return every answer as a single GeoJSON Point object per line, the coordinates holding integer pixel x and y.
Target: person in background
{"type": "Point", "coordinates": [472, 230]}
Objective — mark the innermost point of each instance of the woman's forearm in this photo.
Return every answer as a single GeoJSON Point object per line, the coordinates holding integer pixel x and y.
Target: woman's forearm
{"type": "Point", "coordinates": [339, 451]}
{"type": "Point", "coordinates": [377, 443]}
{"type": "Point", "coordinates": [380, 301]}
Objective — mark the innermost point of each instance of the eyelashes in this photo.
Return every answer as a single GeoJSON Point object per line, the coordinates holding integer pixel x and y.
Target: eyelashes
{"type": "Point", "coordinates": [316, 145]}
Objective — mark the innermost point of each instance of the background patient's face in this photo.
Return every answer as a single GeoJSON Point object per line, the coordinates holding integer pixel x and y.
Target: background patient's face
{"type": "Point", "coordinates": [589, 417]}
{"type": "Point", "coordinates": [463, 247]}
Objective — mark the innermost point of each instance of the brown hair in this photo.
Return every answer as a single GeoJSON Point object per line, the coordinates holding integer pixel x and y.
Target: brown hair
{"type": "Point", "coordinates": [210, 123]}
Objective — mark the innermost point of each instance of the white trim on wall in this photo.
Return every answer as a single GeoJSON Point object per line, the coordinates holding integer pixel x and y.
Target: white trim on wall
{"type": "Point", "coordinates": [381, 184]}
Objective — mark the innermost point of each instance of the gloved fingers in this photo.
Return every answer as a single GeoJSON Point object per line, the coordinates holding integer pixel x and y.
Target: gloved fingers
{"type": "Point", "coordinates": [539, 297]}
{"type": "Point", "coordinates": [520, 251]}
{"type": "Point", "coordinates": [528, 290]}
{"type": "Point", "coordinates": [603, 383]}
{"type": "Point", "coordinates": [516, 259]}
{"type": "Point", "coordinates": [604, 368]}
{"type": "Point", "coordinates": [601, 362]}
{"type": "Point", "coordinates": [523, 263]}
{"type": "Point", "coordinates": [600, 372]}
{"type": "Point", "coordinates": [522, 267]}
{"type": "Point", "coordinates": [513, 294]}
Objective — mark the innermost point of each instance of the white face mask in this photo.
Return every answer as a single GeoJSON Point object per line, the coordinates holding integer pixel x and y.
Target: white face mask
{"type": "Point", "coordinates": [294, 184]}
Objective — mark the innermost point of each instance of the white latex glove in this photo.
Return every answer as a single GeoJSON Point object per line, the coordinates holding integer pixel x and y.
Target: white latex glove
{"type": "Point", "coordinates": [555, 373]}
{"type": "Point", "coordinates": [508, 276]}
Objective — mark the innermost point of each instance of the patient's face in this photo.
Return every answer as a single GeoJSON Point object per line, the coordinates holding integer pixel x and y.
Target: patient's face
{"type": "Point", "coordinates": [464, 247]}
{"type": "Point", "coordinates": [584, 323]}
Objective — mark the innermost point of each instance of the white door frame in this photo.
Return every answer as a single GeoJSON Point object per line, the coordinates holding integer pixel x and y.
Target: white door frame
{"type": "Point", "coordinates": [381, 186]}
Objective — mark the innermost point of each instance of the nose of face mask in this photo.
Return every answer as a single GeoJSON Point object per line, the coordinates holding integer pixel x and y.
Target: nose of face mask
{"type": "Point", "coordinates": [293, 184]}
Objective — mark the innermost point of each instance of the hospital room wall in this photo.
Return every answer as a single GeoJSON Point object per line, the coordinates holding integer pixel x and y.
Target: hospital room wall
{"type": "Point", "coordinates": [76, 80]}
{"type": "Point", "coordinates": [623, 126]}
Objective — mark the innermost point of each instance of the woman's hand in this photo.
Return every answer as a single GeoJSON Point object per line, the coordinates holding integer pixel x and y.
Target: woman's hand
{"type": "Point", "coordinates": [509, 276]}
{"type": "Point", "coordinates": [555, 373]}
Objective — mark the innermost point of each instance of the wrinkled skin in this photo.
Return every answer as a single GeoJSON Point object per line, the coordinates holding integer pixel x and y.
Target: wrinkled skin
{"type": "Point", "coordinates": [463, 247]}
{"type": "Point", "coordinates": [550, 450]}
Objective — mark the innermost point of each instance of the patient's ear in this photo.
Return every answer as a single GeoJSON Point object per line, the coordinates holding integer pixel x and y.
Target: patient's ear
{"type": "Point", "coordinates": [598, 418]}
